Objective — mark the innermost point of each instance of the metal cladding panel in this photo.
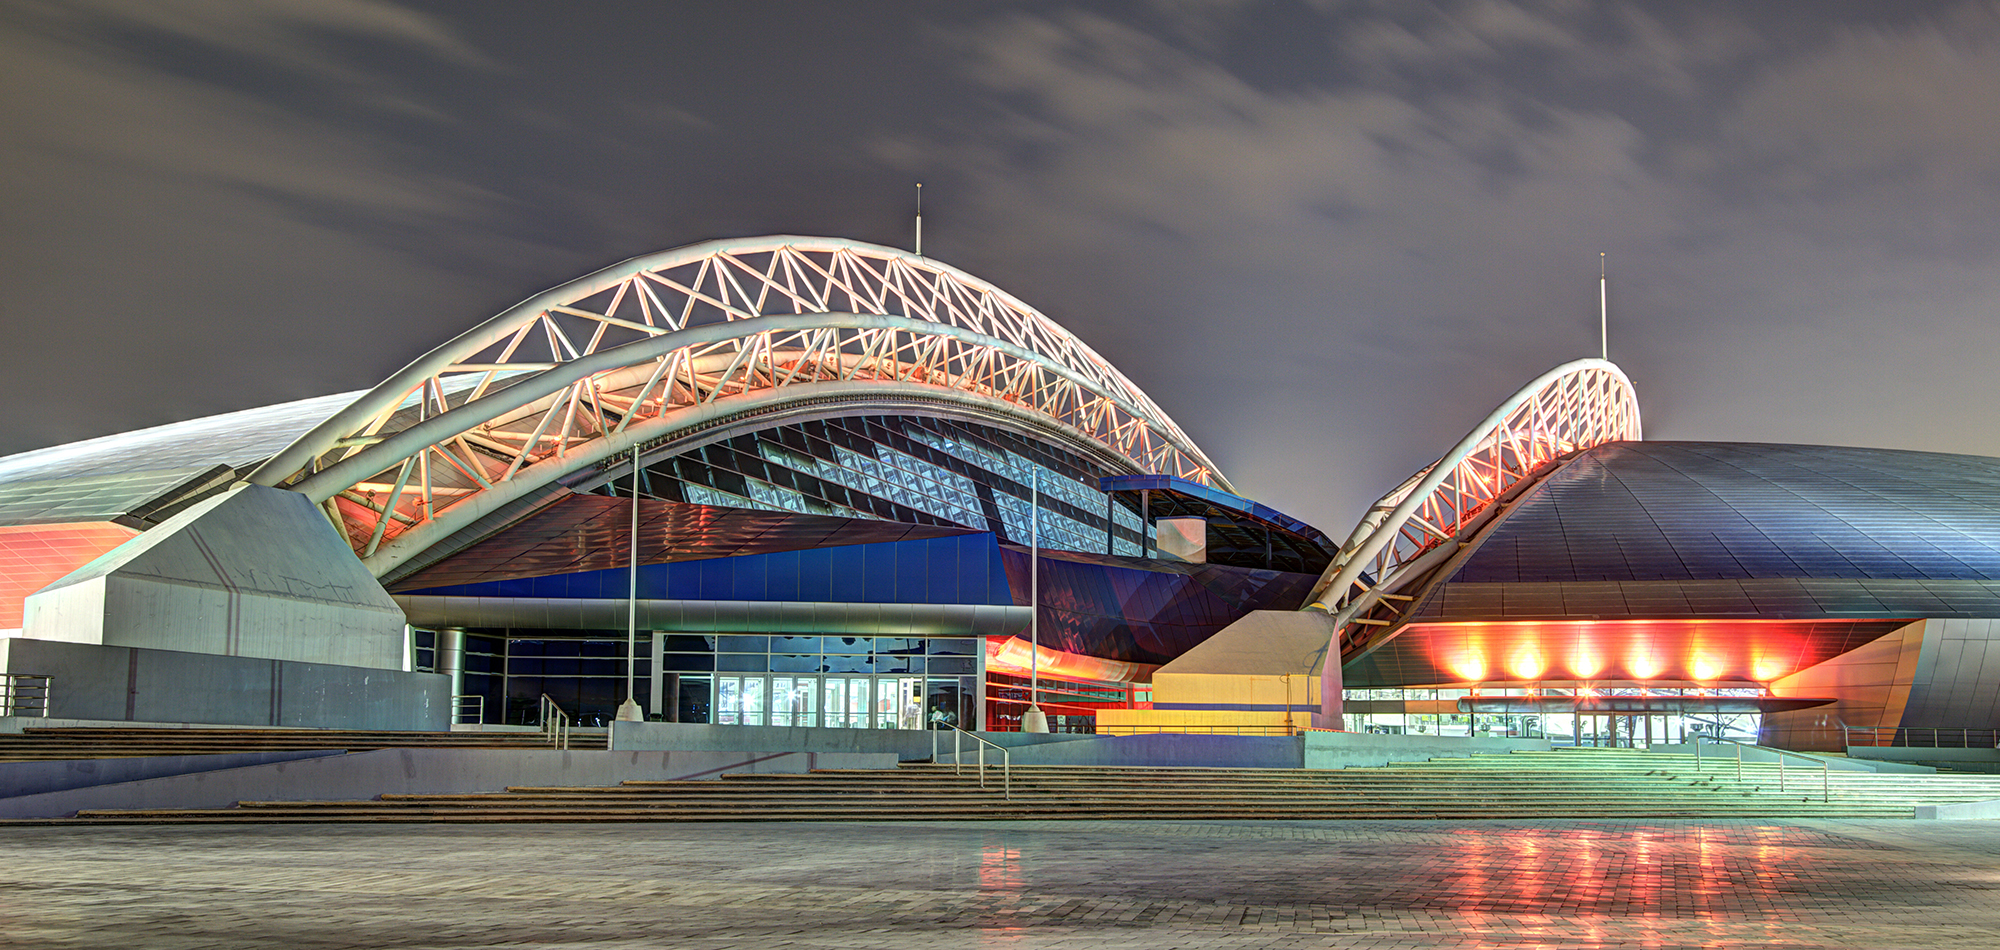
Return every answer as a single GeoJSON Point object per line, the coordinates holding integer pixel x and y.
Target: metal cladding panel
{"type": "Point", "coordinates": [1139, 611]}
{"type": "Point", "coordinates": [99, 479]}
{"type": "Point", "coordinates": [33, 557]}
{"type": "Point", "coordinates": [1693, 650]}
{"type": "Point", "coordinates": [962, 568]}
{"type": "Point", "coordinates": [593, 532]}
{"type": "Point", "coordinates": [1695, 529]}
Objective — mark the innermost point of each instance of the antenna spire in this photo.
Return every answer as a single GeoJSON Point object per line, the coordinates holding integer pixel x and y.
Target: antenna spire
{"type": "Point", "coordinates": [1603, 311]}
{"type": "Point", "coordinates": [920, 219]}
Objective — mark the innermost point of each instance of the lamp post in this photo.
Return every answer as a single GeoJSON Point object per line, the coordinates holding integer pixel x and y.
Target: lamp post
{"type": "Point", "coordinates": [629, 711]}
{"type": "Point", "coordinates": [1034, 720]}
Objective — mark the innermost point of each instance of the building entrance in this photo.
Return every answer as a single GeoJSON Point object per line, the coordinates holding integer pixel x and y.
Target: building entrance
{"type": "Point", "coordinates": [832, 702]}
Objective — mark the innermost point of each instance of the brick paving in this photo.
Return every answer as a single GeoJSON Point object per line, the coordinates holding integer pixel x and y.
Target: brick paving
{"type": "Point", "coordinates": [1152, 885]}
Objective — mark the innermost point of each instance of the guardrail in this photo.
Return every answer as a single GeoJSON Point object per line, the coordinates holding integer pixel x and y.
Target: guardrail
{"type": "Point", "coordinates": [25, 694]}
{"type": "Point", "coordinates": [555, 723]}
{"type": "Point", "coordinates": [468, 708]}
{"type": "Point", "coordinates": [1006, 757]}
{"type": "Point", "coordinates": [1920, 737]}
{"type": "Point", "coordinates": [1825, 768]}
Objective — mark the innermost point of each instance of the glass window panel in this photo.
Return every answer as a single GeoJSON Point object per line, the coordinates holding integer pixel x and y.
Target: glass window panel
{"type": "Point", "coordinates": [683, 643]}
{"type": "Point", "coordinates": [848, 664]}
{"type": "Point", "coordinates": [604, 668]}
{"type": "Point", "coordinates": [524, 666]}
{"type": "Point", "coordinates": [795, 662]}
{"type": "Point", "coordinates": [952, 664]}
{"type": "Point", "coordinates": [739, 644]}
{"type": "Point", "coordinates": [898, 645]}
{"type": "Point", "coordinates": [682, 662]}
{"type": "Point", "coordinates": [849, 644]}
{"type": "Point", "coordinates": [742, 662]}
{"type": "Point", "coordinates": [953, 646]}
{"type": "Point", "coordinates": [794, 644]}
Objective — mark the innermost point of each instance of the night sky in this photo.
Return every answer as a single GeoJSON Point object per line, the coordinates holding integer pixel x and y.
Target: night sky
{"type": "Point", "coordinates": [1326, 237]}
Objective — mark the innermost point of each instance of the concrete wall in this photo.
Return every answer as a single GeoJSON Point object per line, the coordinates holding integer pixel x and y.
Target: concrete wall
{"type": "Point", "coordinates": [367, 775]}
{"type": "Point", "coordinates": [253, 572]}
{"type": "Point", "coordinates": [31, 778]}
{"type": "Point", "coordinates": [1164, 750]}
{"type": "Point", "coordinates": [124, 684]}
{"type": "Point", "coordinates": [907, 744]}
{"type": "Point", "coordinates": [1348, 750]}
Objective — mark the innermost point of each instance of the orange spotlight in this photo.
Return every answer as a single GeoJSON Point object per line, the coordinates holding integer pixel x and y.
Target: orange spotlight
{"type": "Point", "coordinates": [1585, 662]}
{"type": "Point", "coordinates": [1527, 663]}
{"type": "Point", "coordinates": [1644, 666]}
{"type": "Point", "coordinates": [1704, 667]}
{"type": "Point", "coordinates": [1469, 667]}
{"type": "Point", "coordinates": [1764, 669]}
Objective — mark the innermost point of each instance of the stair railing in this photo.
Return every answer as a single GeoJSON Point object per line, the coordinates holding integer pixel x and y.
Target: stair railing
{"type": "Point", "coordinates": [468, 708]}
{"type": "Point", "coordinates": [25, 694]}
{"type": "Point", "coordinates": [1912, 736]}
{"type": "Point", "coordinates": [555, 724]}
{"type": "Point", "coordinates": [957, 763]}
{"type": "Point", "coordinates": [1825, 767]}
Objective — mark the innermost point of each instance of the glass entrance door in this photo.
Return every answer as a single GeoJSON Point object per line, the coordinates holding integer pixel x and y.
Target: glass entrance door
{"type": "Point", "coordinates": [794, 701]}
{"type": "Point", "coordinates": [739, 700]}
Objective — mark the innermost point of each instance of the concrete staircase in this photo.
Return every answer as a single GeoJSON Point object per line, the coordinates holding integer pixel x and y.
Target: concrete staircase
{"type": "Point", "coordinates": [45, 744]}
{"type": "Point", "coordinates": [1562, 784]}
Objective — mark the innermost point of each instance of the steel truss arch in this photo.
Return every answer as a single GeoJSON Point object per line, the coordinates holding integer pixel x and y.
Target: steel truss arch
{"type": "Point", "coordinates": [556, 381]}
{"type": "Point", "coordinates": [1570, 408]}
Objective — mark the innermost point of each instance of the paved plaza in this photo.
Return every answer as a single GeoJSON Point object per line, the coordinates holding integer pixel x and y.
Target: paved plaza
{"type": "Point", "coordinates": [1152, 885]}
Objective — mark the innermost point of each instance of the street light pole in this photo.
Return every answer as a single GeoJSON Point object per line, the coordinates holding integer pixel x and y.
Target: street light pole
{"type": "Point", "coordinates": [629, 711]}
{"type": "Point", "coordinates": [1034, 720]}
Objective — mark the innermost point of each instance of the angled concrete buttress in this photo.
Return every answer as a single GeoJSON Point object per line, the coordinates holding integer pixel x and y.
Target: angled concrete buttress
{"type": "Point", "coordinates": [253, 572]}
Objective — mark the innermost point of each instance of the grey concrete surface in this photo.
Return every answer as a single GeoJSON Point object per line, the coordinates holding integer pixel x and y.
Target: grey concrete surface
{"type": "Point", "coordinates": [32, 778]}
{"type": "Point", "coordinates": [1355, 750]}
{"type": "Point", "coordinates": [1027, 885]}
{"type": "Point", "coordinates": [365, 775]}
{"type": "Point", "coordinates": [128, 684]}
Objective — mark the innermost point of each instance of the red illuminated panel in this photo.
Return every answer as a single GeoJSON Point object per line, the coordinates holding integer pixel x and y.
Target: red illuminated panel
{"type": "Point", "coordinates": [1698, 650]}
{"type": "Point", "coordinates": [33, 556]}
{"type": "Point", "coordinates": [1012, 655]}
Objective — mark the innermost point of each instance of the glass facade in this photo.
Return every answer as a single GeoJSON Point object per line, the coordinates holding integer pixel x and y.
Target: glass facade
{"type": "Point", "coordinates": [582, 670]}
{"type": "Point", "coordinates": [828, 681]}
{"type": "Point", "coordinates": [908, 469]}
{"type": "Point", "coordinates": [1437, 711]}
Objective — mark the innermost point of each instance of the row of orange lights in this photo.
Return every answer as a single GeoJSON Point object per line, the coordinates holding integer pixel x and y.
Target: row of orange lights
{"type": "Point", "coordinates": [1699, 659]}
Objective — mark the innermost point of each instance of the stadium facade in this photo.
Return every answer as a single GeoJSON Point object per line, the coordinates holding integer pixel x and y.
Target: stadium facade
{"type": "Point", "coordinates": [819, 477]}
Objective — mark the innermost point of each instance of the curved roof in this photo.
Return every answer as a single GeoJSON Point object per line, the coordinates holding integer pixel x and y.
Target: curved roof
{"type": "Point", "coordinates": [656, 350]}
{"type": "Point", "coordinates": [114, 476]}
{"type": "Point", "coordinates": [1719, 529]}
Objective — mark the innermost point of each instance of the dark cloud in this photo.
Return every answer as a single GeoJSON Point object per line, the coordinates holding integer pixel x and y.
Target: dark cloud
{"type": "Point", "coordinates": [1327, 236]}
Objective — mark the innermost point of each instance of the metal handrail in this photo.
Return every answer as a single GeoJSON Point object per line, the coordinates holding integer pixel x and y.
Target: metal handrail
{"type": "Point", "coordinates": [1825, 767]}
{"type": "Point", "coordinates": [555, 723]}
{"type": "Point", "coordinates": [464, 704]}
{"type": "Point", "coordinates": [1006, 757]}
{"type": "Point", "coordinates": [21, 691]}
{"type": "Point", "coordinates": [1905, 736]}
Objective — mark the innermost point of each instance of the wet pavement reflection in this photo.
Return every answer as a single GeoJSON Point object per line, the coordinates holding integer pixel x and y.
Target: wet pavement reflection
{"type": "Point", "coordinates": [1012, 884]}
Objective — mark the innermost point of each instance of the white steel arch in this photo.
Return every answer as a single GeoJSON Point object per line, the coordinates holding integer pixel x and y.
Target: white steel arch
{"type": "Point", "coordinates": [692, 337]}
{"type": "Point", "coordinates": [1572, 407]}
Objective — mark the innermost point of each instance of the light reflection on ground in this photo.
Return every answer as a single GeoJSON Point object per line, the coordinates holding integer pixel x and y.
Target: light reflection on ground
{"type": "Point", "coordinates": [1009, 884]}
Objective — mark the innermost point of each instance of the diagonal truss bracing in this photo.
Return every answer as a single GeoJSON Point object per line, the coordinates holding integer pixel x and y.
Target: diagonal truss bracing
{"type": "Point", "coordinates": [628, 354]}
{"type": "Point", "coordinates": [1573, 407]}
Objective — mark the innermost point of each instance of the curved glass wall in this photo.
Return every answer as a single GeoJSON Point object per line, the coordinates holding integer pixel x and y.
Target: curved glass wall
{"type": "Point", "coordinates": [909, 469]}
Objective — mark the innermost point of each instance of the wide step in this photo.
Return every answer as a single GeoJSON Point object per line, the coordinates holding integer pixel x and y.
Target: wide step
{"type": "Point", "coordinates": [1567, 784]}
